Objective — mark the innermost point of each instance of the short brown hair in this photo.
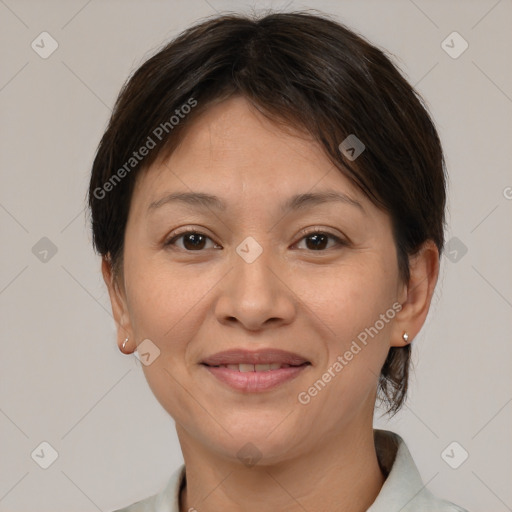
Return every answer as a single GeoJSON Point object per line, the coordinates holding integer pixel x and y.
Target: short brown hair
{"type": "Point", "coordinates": [302, 70]}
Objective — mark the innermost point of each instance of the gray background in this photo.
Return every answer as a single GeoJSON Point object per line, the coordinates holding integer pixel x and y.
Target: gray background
{"type": "Point", "coordinates": [63, 379]}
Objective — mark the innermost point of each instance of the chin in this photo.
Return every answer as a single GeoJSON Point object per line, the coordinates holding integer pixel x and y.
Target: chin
{"type": "Point", "coordinates": [260, 441]}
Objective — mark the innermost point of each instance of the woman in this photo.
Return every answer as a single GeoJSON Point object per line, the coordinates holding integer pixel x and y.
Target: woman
{"type": "Point", "coordinates": [268, 200]}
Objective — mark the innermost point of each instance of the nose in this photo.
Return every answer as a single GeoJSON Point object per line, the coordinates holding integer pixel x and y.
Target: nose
{"type": "Point", "coordinates": [257, 295]}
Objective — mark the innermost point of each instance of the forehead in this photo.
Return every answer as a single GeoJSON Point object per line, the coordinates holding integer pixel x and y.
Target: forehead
{"type": "Point", "coordinates": [234, 150]}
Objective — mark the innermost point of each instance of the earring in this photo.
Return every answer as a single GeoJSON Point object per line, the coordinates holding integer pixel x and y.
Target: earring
{"type": "Point", "coordinates": [124, 343]}
{"type": "Point", "coordinates": [405, 337]}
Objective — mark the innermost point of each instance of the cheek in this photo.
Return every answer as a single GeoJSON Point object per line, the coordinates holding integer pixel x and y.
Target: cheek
{"type": "Point", "coordinates": [356, 346]}
{"type": "Point", "coordinates": [165, 307]}
{"type": "Point", "coordinates": [162, 299]}
{"type": "Point", "coordinates": [168, 304]}
{"type": "Point", "coordinates": [351, 297]}
{"type": "Point", "coordinates": [356, 307]}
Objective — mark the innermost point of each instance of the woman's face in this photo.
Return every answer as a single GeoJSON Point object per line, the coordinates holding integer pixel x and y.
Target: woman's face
{"type": "Point", "coordinates": [254, 278]}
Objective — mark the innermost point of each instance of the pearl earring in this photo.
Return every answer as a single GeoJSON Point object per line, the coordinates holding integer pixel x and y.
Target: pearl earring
{"type": "Point", "coordinates": [405, 337]}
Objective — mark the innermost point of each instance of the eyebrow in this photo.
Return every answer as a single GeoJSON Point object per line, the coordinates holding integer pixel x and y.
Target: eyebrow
{"type": "Point", "coordinates": [294, 203]}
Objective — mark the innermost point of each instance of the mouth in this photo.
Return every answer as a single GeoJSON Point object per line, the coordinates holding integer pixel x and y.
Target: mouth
{"type": "Point", "coordinates": [255, 371]}
{"type": "Point", "coordinates": [245, 367]}
{"type": "Point", "coordinates": [272, 356]}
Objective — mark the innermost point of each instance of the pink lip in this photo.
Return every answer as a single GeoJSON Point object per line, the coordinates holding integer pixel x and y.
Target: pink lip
{"type": "Point", "coordinates": [264, 356]}
{"type": "Point", "coordinates": [253, 382]}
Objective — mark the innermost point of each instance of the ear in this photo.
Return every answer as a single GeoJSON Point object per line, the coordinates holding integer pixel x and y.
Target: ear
{"type": "Point", "coordinates": [119, 306]}
{"type": "Point", "coordinates": [416, 295]}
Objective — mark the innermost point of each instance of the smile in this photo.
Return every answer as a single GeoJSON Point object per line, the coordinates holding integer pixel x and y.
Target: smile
{"type": "Point", "coordinates": [255, 378]}
{"type": "Point", "coordinates": [242, 367]}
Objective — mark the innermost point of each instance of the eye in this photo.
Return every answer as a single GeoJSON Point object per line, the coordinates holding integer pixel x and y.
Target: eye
{"type": "Point", "coordinates": [196, 241]}
{"type": "Point", "coordinates": [320, 238]}
{"type": "Point", "coordinates": [192, 240]}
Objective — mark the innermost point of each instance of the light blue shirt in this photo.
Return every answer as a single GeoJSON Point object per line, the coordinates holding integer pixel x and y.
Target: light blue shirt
{"type": "Point", "coordinates": [403, 489]}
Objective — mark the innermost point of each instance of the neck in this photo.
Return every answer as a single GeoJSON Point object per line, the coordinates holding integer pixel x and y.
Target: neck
{"type": "Point", "coordinates": [342, 473]}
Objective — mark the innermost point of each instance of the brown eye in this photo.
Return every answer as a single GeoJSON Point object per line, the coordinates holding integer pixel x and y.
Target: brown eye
{"type": "Point", "coordinates": [196, 241]}
{"type": "Point", "coordinates": [192, 240]}
{"type": "Point", "coordinates": [318, 240]}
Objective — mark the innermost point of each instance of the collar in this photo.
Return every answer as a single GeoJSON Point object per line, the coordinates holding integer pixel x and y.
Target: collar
{"type": "Point", "coordinates": [403, 489]}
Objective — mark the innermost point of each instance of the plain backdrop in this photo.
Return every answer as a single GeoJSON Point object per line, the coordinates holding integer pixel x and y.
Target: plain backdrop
{"type": "Point", "coordinates": [63, 380]}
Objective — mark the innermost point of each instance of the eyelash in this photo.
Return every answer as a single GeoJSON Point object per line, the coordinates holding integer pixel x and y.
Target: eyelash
{"type": "Point", "coordinates": [304, 233]}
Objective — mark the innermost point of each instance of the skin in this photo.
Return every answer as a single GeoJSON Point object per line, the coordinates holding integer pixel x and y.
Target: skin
{"type": "Point", "coordinates": [196, 302]}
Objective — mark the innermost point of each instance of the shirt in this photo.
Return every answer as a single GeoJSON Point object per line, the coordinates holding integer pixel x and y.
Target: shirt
{"type": "Point", "coordinates": [403, 489]}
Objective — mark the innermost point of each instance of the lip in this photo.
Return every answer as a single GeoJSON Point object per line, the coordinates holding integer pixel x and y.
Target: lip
{"type": "Point", "coordinates": [264, 356]}
{"type": "Point", "coordinates": [255, 381]}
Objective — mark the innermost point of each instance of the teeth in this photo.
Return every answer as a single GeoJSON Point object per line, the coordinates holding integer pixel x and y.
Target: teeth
{"type": "Point", "coordinates": [254, 367]}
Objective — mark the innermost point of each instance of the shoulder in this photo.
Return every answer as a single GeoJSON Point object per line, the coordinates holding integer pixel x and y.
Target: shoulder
{"type": "Point", "coordinates": [403, 488]}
